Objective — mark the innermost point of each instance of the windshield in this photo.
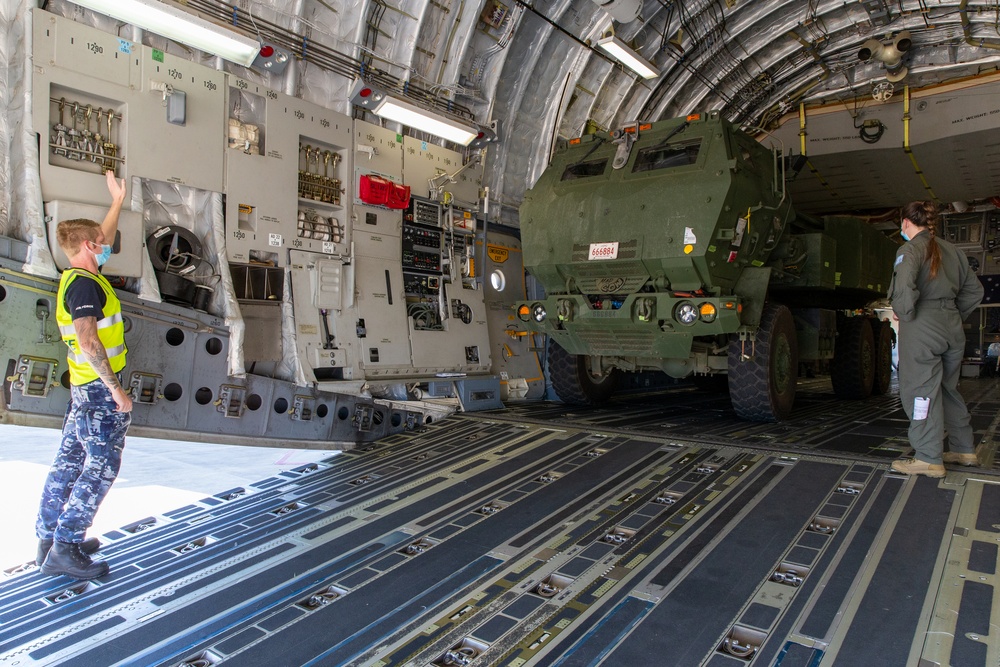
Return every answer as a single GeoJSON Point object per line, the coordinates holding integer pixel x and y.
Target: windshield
{"type": "Point", "coordinates": [585, 169]}
{"type": "Point", "coordinates": [666, 157]}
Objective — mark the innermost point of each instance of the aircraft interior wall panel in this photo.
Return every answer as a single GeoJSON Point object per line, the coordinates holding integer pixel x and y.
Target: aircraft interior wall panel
{"type": "Point", "coordinates": [35, 358]}
{"type": "Point", "coordinates": [260, 175]}
{"type": "Point", "coordinates": [955, 113]}
{"type": "Point", "coordinates": [313, 416]}
{"type": "Point", "coordinates": [969, 171]}
{"type": "Point", "coordinates": [423, 161]}
{"type": "Point", "coordinates": [81, 68]}
{"type": "Point", "coordinates": [310, 294]}
{"type": "Point", "coordinates": [323, 140]}
{"type": "Point", "coordinates": [511, 355]}
{"type": "Point", "coordinates": [167, 355]}
{"type": "Point", "coordinates": [191, 153]}
{"type": "Point", "coordinates": [839, 175]}
{"type": "Point", "coordinates": [377, 152]}
{"type": "Point", "coordinates": [384, 342]}
{"type": "Point", "coordinates": [126, 262]}
{"type": "Point", "coordinates": [462, 346]}
{"type": "Point", "coordinates": [961, 120]}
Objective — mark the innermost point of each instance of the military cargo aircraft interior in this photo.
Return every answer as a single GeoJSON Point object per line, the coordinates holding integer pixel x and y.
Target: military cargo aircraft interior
{"type": "Point", "coordinates": [589, 301]}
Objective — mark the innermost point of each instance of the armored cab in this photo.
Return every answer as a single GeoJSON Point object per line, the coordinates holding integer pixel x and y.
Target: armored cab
{"type": "Point", "coordinates": [673, 246]}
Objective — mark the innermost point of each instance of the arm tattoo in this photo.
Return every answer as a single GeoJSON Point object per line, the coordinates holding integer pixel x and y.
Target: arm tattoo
{"type": "Point", "coordinates": [93, 349]}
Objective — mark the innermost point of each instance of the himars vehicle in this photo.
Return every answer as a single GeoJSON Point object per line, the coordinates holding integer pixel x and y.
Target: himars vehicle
{"type": "Point", "coordinates": [674, 246]}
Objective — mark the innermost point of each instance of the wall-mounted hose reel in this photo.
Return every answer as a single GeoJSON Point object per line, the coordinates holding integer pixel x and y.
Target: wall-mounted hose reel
{"type": "Point", "coordinates": [176, 253]}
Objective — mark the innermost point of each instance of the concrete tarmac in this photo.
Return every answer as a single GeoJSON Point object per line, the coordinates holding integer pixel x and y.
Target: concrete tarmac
{"type": "Point", "coordinates": [156, 476]}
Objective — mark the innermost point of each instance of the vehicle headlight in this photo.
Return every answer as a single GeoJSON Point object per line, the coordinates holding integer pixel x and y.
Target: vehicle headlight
{"type": "Point", "coordinates": [707, 312]}
{"type": "Point", "coordinates": [686, 312]}
{"type": "Point", "coordinates": [538, 312]}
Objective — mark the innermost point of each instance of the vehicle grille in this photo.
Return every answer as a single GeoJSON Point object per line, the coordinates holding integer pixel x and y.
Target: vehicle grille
{"type": "Point", "coordinates": [620, 343]}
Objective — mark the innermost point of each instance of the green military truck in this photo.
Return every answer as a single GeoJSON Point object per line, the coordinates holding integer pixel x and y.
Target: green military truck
{"type": "Point", "coordinates": [673, 246]}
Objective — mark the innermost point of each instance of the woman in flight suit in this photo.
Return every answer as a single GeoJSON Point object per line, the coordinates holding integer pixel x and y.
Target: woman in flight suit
{"type": "Point", "coordinates": [933, 291]}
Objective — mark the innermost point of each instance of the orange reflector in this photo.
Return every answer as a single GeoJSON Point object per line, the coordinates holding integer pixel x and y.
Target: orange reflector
{"type": "Point", "coordinates": [645, 126]}
{"type": "Point", "coordinates": [574, 142]}
{"type": "Point", "coordinates": [729, 305]}
{"type": "Point", "coordinates": [630, 129]}
{"type": "Point", "coordinates": [739, 308]}
{"type": "Point", "coordinates": [693, 117]}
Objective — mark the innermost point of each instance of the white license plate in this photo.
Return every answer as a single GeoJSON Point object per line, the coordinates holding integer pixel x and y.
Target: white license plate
{"type": "Point", "coordinates": [603, 251]}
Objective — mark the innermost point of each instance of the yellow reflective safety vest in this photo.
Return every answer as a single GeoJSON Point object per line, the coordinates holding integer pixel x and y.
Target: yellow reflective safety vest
{"type": "Point", "coordinates": [110, 329]}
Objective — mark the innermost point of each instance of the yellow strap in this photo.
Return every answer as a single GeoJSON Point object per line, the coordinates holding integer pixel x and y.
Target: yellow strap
{"type": "Point", "coordinates": [802, 128]}
{"type": "Point", "coordinates": [906, 144]}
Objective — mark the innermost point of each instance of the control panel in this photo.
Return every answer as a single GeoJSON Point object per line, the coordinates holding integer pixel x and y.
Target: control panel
{"type": "Point", "coordinates": [421, 249]}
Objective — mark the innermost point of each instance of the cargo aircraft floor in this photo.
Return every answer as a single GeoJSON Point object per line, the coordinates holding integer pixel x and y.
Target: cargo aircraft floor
{"type": "Point", "coordinates": [656, 530]}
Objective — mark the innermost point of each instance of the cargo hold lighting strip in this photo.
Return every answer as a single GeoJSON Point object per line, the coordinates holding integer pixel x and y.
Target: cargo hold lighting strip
{"type": "Point", "coordinates": [173, 22]}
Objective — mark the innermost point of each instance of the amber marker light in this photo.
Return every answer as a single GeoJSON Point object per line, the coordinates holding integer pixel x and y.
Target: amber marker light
{"type": "Point", "coordinates": [707, 312]}
{"type": "Point", "coordinates": [524, 313]}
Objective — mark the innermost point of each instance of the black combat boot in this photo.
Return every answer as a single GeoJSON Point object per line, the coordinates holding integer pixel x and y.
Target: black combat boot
{"type": "Point", "coordinates": [88, 546]}
{"type": "Point", "coordinates": [66, 558]}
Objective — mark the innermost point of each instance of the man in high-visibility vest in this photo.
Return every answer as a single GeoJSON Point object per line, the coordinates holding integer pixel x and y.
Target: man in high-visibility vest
{"type": "Point", "coordinates": [89, 316]}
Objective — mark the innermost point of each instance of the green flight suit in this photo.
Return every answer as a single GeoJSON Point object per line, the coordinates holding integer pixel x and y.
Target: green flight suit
{"type": "Point", "coordinates": [932, 343]}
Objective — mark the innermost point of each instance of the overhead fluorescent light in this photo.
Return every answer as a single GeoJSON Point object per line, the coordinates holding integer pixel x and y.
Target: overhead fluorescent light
{"type": "Point", "coordinates": [412, 116]}
{"type": "Point", "coordinates": [628, 57]}
{"type": "Point", "coordinates": [401, 111]}
{"type": "Point", "coordinates": [174, 23]}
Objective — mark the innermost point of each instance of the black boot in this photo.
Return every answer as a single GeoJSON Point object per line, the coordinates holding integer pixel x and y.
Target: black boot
{"type": "Point", "coordinates": [66, 558]}
{"type": "Point", "coordinates": [88, 546]}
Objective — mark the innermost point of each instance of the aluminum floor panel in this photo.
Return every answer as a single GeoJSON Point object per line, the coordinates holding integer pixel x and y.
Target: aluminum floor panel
{"type": "Point", "coordinates": [655, 530]}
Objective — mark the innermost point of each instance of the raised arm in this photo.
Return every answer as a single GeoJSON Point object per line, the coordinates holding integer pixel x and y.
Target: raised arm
{"type": "Point", "coordinates": [110, 224]}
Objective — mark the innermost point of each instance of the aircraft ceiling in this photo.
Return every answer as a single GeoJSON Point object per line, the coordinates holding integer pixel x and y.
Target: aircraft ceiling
{"type": "Point", "coordinates": [533, 66]}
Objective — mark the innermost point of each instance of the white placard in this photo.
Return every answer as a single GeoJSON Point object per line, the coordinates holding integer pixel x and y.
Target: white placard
{"type": "Point", "coordinates": [275, 240]}
{"type": "Point", "coordinates": [603, 251]}
{"type": "Point", "coordinates": [328, 247]}
{"type": "Point", "coordinates": [921, 406]}
{"type": "Point", "coordinates": [689, 236]}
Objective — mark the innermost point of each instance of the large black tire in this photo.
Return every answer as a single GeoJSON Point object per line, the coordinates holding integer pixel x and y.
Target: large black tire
{"type": "Point", "coordinates": [762, 388]}
{"type": "Point", "coordinates": [885, 339]}
{"type": "Point", "coordinates": [853, 367]}
{"type": "Point", "coordinates": [573, 382]}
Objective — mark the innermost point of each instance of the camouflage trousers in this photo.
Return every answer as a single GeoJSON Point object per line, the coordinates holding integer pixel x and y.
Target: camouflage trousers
{"type": "Point", "coordinates": [85, 466]}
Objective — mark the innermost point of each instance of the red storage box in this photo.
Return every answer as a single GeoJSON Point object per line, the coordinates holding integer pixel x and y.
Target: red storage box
{"type": "Point", "coordinates": [399, 196]}
{"type": "Point", "coordinates": [375, 190]}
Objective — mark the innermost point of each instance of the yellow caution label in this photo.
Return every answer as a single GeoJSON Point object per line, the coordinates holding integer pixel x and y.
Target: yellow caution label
{"type": "Point", "coordinates": [688, 249]}
{"type": "Point", "coordinates": [497, 254]}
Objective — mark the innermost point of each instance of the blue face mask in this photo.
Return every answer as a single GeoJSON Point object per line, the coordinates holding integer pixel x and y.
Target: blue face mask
{"type": "Point", "coordinates": [903, 234]}
{"type": "Point", "coordinates": [104, 256]}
